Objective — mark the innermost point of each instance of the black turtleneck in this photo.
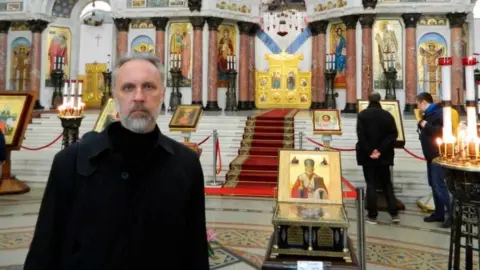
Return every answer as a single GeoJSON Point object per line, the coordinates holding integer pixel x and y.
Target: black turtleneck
{"type": "Point", "coordinates": [132, 147]}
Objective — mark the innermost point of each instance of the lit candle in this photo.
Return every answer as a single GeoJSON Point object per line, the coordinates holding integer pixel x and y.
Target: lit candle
{"type": "Point", "coordinates": [446, 64]}
{"type": "Point", "coordinates": [80, 85]}
{"type": "Point", "coordinates": [469, 63]}
{"type": "Point", "coordinates": [439, 143]}
{"type": "Point", "coordinates": [65, 89]}
{"type": "Point", "coordinates": [476, 148]}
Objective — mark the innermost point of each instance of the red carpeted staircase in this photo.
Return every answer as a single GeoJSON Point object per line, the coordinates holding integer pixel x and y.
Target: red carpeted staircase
{"type": "Point", "coordinates": [256, 165]}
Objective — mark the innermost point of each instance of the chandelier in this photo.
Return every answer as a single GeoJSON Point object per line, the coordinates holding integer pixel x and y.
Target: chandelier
{"type": "Point", "coordinates": [284, 21]}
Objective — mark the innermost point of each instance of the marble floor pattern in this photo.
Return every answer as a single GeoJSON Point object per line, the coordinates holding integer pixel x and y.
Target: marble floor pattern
{"type": "Point", "coordinates": [244, 225]}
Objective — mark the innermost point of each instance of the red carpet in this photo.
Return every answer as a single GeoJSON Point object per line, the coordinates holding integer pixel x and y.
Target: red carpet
{"type": "Point", "coordinates": [256, 166]}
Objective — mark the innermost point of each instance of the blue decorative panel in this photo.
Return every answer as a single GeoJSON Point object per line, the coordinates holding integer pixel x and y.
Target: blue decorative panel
{"type": "Point", "coordinates": [63, 8]}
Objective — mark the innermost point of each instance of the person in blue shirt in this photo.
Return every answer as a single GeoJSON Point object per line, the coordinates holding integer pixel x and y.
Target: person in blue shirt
{"type": "Point", "coordinates": [430, 127]}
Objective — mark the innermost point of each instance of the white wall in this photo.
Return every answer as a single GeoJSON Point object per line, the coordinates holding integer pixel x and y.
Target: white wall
{"type": "Point", "coordinates": [89, 51]}
{"type": "Point", "coordinates": [12, 35]}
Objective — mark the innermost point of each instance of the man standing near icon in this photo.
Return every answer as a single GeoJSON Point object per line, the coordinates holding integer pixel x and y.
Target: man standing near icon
{"type": "Point", "coordinates": [377, 133]}
{"type": "Point", "coordinates": [308, 184]}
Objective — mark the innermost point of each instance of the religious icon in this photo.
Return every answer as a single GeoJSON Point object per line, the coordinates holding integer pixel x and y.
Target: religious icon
{"type": "Point", "coordinates": [226, 47]}
{"type": "Point", "coordinates": [20, 64]}
{"type": "Point", "coordinates": [176, 3]}
{"type": "Point", "coordinates": [263, 98]}
{"type": "Point", "coordinates": [276, 79]}
{"type": "Point", "coordinates": [309, 185]}
{"type": "Point", "coordinates": [303, 82]}
{"type": "Point", "coordinates": [11, 108]}
{"type": "Point", "coordinates": [303, 98]}
{"type": "Point", "coordinates": [431, 47]}
{"type": "Point", "coordinates": [185, 118]}
{"type": "Point", "coordinates": [263, 82]}
{"type": "Point", "coordinates": [139, 3]}
{"type": "Point", "coordinates": [338, 47]}
{"type": "Point", "coordinates": [181, 43]}
{"type": "Point", "coordinates": [387, 45]}
{"type": "Point", "coordinates": [59, 40]}
{"type": "Point", "coordinates": [291, 81]}
{"type": "Point", "coordinates": [143, 44]}
{"type": "Point", "coordinates": [326, 121]}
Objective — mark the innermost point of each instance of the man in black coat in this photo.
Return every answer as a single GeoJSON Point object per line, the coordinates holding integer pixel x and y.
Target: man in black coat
{"type": "Point", "coordinates": [128, 197]}
{"type": "Point", "coordinates": [377, 133]}
{"type": "Point", "coordinates": [430, 128]}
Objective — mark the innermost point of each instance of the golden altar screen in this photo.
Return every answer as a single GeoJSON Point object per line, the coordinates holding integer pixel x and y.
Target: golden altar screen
{"type": "Point", "coordinates": [94, 84]}
{"type": "Point", "coordinates": [283, 85]}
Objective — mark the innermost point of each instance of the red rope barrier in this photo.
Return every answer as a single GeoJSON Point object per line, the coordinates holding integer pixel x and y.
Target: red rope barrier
{"type": "Point", "coordinates": [413, 155]}
{"type": "Point", "coordinates": [43, 147]}
{"type": "Point", "coordinates": [219, 157]}
{"type": "Point", "coordinates": [204, 140]}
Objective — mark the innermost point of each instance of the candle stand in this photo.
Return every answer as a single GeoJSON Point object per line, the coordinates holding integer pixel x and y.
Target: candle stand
{"type": "Point", "coordinates": [107, 88]}
{"type": "Point", "coordinates": [175, 96]}
{"type": "Point", "coordinates": [57, 79]}
{"type": "Point", "coordinates": [231, 101]}
{"type": "Point", "coordinates": [462, 176]}
{"type": "Point", "coordinates": [390, 82]}
{"type": "Point", "coordinates": [71, 129]}
{"type": "Point", "coordinates": [330, 94]}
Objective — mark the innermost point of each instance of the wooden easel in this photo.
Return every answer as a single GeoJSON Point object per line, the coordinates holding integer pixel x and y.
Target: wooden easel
{"type": "Point", "coordinates": [8, 183]}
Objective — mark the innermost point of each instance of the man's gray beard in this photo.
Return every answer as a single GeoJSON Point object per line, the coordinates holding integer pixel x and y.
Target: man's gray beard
{"type": "Point", "coordinates": [141, 124]}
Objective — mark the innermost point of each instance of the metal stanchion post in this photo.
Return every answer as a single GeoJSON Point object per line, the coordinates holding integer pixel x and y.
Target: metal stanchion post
{"type": "Point", "coordinates": [361, 228]}
{"type": "Point", "coordinates": [215, 141]}
{"type": "Point", "coordinates": [300, 139]}
{"type": "Point", "coordinates": [326, 141]}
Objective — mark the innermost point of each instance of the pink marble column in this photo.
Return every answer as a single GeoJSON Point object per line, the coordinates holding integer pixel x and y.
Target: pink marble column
{"type": "Point", "coordinates": [366, 21]}
{"type": "Point", "coordinates": [197, 62]}
{"type": "Point", "coordinates": [37, 27]}
{"type": "Point", "coordinates": [4, 26]}
{"type": "Point", "coordinates": [245, 28]}
{"type": "Point", "coordinates": [251, 67]}
{"type": "Point", "coordinates": [411, 84]}
{"type": "Point", "coordinates": [350, 22]}
{"type": "Point", "coordinates": [456, 21]}
{"type": "Point", "coordinates": [160, 25]}
{"type": "Point", "coordinates": [315, 66]}
{"type": "Point", "coordinates": [320, 59]}
{"type": "Point", "coordinates": [212, 95]}
{"type": "Point", "coordinates": [123, 25]}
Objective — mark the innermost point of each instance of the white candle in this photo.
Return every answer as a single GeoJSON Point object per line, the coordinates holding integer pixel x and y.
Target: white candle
{"type": "Point", "coordinates": [65, 89]}
{"type": "Point", "coordinates": [447, 124]}
{"type": "Point", "coordinates": [72, 88]}
{"type": "Point", "coordinates": [80, 85]}
{"type": "Point", "coordinates": [469, 64]}
{"type": "Point", "coordinates": [471, 122]}
{"type": "Point", "coordinates": [79, 102]}
{"type": "Point", "coordinates": [446, 64]}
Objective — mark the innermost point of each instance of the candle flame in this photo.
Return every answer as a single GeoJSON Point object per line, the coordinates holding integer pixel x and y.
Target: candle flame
{"type": "Point", "coordinates": [439, 141]}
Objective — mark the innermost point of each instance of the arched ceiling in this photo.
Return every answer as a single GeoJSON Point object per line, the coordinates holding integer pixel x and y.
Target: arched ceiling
{"type": "Point", "coordinates": [63, 8]}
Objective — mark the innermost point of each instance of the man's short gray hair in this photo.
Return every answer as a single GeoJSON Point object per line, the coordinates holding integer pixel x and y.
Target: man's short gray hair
{"type": "Point", "coordinates": [139, 56]}
{"type": "Point", "coordinates": [374, 97]}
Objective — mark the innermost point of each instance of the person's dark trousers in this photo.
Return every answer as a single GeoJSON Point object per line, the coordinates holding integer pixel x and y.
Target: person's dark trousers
{"type": "Point", "coordinates": [441, 197]}
{"type": "Point", "coordinates": [379, 177]}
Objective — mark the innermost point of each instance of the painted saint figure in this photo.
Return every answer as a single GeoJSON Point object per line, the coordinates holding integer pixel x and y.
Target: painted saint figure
{"type": "Point", "coordinates": [186, 47]}
{"type": "Point", "coordinates": [20, 67]}
{"type": "Point", "coordinates": [388, 43]}
{"type": "Point", "coordinates": [291, 81]}
{"type": "Point", "coordinates": [340, 51]}
{"type": "Point", "coordinates": [225, 49]}
{"type": "Point", "coordinates": [326, 122]}
{"type": "Point", "coordinates": [276, 80]}
{"type": "Point", "coordinates": [309, 185]}
{"type": "Point", "coordinates": [431, 67]}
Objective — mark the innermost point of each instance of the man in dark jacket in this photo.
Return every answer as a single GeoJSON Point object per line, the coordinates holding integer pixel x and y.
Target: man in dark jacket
{"type": "Point", "coordinates": [430, 128]}
{"type": "Point", "coordinates": [377, 133]}
{"type": "Point", "coordinates": [128, 197]}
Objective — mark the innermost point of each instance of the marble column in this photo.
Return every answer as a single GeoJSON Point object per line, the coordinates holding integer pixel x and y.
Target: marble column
{"type": "Point", "coordinates": [367, 20]}
{"type": "Point", "coordinates": [4, 26]}
{"type": "Point", "coordinates": [411, 78]}
{"type": "Point", "coordinates": [212, 95]}
{"type": "Point", "coordinates": [245, 28]}
{"type": "Point", "coordinates": [160, 26]}
{"type": "Point", "coordinates": [456, 21]}
{"type": "Point", "coordinates": [350, 22]}
{"type": "Point", "coordinates": [251, 67]}
{"type": "Point", "coordinates": [197, 62]}
{"type": "Point", "coordinates": [315, 64]}
{"type": "Point", "coordinates": [123, 25]}
{"type": "Point", "coordinates": [321, 60]}
{"type": "Point", "coordinates": [37, 27]}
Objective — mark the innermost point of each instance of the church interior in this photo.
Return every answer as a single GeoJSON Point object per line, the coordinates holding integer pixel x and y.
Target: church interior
{"type": "Point", "coordinates": [245, 78]}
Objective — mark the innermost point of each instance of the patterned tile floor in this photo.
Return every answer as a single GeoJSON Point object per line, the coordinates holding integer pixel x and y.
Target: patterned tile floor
{"type": "Point", "coordinates": [244, 226]}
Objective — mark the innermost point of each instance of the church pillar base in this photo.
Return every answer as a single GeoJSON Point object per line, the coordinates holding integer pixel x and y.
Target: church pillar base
{"type": "Point", "coordinates": [350, 108]}
{"type": "Point", "coordinates": [317, 105]}
{"type": "Point", "coordinates": [212, 106]}
{"type": "Point", "coordinates": [251, 105]}
{"type": "Point", "coordinates": [198, 102]}
{"type": "Point", "coordinates": [409, 108]}
{"type": "Point", "coordinates": [243, 106]}
{"type": "Point", "coordinates": [460, 109]}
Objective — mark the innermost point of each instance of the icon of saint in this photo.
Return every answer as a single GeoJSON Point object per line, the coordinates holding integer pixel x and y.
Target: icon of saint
{"type": "Point", "coordinates": [309, 185]}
